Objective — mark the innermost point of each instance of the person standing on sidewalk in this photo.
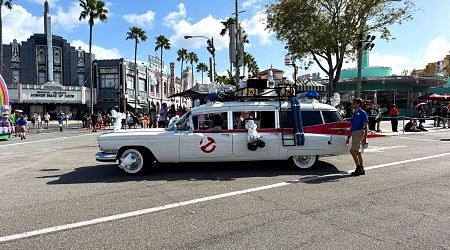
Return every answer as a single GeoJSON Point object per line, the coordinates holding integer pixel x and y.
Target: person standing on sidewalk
{"type": "Point", "coordinates": [358, 134]}
{"type": "Point", "coordinates": [393, 112]}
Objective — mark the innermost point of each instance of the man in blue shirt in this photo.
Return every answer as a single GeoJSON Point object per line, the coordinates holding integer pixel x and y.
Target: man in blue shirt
{"type": "Point", "coordinates": [359, 135]}
{"type": "Point", "coordinates": [60, 120]}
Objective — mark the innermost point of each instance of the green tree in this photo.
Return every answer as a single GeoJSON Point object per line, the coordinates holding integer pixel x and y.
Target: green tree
{"type": "Point", "coordinates": [229, 80]}
{"type": "Point", "coordinates": [182, 56]}
{"type": "Point", "coordinates": [92, 10]}
{"type": "Point", "coordinates": [162, 43]}
{"type": "Point", "coordinates": [137, 34]}
{"type": "Point", "coordinates": [8, 4]}
{"type": "Point", "coordinates": [202, 67]}
{"type": "Point", "coordinates": [253, 67]}
{"type": "Point", "coordinates": [192, 58]}
{"type": "Point", "coordinates": [326, 30]}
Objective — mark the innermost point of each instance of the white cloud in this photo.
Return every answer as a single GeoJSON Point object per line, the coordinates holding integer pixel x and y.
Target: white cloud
{"type": "Point", "coordinates": [398, 63]}
{"type": "Point", "coordinates": [100, 53]}
{"type": "Point", "coordinates": [68, 20]}
{"type": "Point", "coordinates": [173, 17]}
{"type": "Point", "coordinates": [256, 27]}
{"type": "Point", "coordinates": [40, 2]}
{"type": "Point", "coordinates": [28, 25]}
{"type": "Point", "coordinates": [436, 50]}
{"type": "Point", "coordinates": [144, 20]}
{"type": "Point", "coordinates": [251, 3]}
{"type": "Point", "coordinates": [207, 27]}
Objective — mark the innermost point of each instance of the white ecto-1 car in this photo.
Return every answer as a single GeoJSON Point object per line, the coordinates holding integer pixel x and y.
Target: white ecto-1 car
{"type": "Point", "coordinates": [252, 130]}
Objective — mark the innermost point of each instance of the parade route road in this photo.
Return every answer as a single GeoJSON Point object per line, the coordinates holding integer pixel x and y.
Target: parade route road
{"type": "Point", "coordinates": [56, 196]}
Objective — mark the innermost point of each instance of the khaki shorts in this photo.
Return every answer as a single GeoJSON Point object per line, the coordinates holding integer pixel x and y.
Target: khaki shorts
{"type": "Point", "coordinates": [21, 129]}
{"type": "Point", "coordinates": [357, 137]}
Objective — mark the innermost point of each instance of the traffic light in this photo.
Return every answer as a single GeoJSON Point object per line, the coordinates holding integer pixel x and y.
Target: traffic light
{"type": "Point", "coordinates": [210, 47]}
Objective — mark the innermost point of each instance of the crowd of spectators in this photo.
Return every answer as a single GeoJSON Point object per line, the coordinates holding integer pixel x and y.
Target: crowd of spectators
{"type": "Point", "coordinates": [155, 118]}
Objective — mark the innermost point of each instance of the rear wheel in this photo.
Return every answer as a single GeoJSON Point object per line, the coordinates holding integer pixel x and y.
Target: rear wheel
{"type": "Point", "coordinates": [304, 161]}
{"type": "Point", "coordinates": [132, 161]}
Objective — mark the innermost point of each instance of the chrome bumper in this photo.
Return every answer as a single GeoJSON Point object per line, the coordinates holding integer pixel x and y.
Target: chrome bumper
{"type": "Point", "coordinates": [101, 156]}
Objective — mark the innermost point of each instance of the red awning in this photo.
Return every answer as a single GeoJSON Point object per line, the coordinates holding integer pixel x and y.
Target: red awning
{"type": "Point", "coordinates": [438, 97]}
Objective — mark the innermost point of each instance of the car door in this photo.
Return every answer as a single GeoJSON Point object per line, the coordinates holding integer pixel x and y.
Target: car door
{"type": "Point", "coordinates": [264, 118]}
{"type": "Point", "coordinates": [205, 142]}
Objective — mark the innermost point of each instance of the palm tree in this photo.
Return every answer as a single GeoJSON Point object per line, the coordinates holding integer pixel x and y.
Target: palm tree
{"type": "Point", "coordinates": [162, 43]}
{"type": "Point", "coordinates": [202, 67]}
{"type": "Point", "coordinates": [138, 35]}
{"type": "Point", "coordinates": [247, 58]}
{"type": "Point", "coordinates": [226, 25]}
{"type": "Point", "coordinates": [192, 57]}
{"type": "Point", "coordinates": [8, 4]}
{"type": "Point", "coordinates": [182, 56]}
{"type": "Point", "coordinates": [92, 9]}
{"type": "Point", "coordinates": [253, 67]}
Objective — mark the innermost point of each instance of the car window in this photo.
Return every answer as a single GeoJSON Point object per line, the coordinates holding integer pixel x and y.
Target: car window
{"type": "Point", "coordinates": [210, 121]}
{"type": "Point", "coordinates": [183, 123]}
{"type": "Point", "coordinates": [331, 116]}
{"type": "Point", "coordinates": [310, 118]}
{"type": "Point", "coordinates": [263, 119]}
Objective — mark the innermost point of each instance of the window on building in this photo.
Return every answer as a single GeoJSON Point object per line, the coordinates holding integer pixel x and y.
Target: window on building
{"type": "Point", "coordinates": [130, 82]}
{"type": "Point", "coordinates": [80, 79]}
{"type": "Point", "coordinates": [109, 80]}
{"type": "Point", "coordinates": [57, 77]}
{"type": "Point", "coordinates": [16, 76]}
{"type": "Point", "coordinates": [401, 99]}
{"type": "Point", "coordinates": [385, 99]}
{"type": "Point", "coordinates": [165, 88]}
{"type": "Point", "coordinates": [157, 88]}
{"type": "Point", "coordinates": [41, 78]}
{"type": "Point", "coordinates": [142, 85]}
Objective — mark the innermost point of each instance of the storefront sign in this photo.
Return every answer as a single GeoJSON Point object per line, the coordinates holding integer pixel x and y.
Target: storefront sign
{"type": "Point", "coordinates": [51, 96]}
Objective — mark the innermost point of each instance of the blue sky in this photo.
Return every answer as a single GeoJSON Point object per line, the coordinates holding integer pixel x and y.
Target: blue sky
{"type": "Point", "coordinates": [418, 42]}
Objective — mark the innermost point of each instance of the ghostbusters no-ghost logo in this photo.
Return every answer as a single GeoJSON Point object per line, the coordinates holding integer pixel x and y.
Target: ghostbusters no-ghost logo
{"type": "Point", "coordinates": [207, 145]}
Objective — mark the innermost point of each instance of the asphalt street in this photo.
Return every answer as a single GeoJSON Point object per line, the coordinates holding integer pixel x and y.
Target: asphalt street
{"type": "Point", "coordinates": [54, 195]}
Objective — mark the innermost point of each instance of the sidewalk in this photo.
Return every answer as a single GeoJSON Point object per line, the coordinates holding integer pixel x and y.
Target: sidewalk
{"type": "Point", "coordinates": [386, 128]}
{"type": "Point", "coordinates": [53, 126]}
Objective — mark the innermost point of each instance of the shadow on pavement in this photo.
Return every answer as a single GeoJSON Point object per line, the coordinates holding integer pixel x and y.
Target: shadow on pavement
{"type": "Point", "coordinates": [110, 173]}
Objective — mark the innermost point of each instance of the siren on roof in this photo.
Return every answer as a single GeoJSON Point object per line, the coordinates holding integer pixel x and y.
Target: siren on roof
{"type": "Point", "coordinates": [309, 94]}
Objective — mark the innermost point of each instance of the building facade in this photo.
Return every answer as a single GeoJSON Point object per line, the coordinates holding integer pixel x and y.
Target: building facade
{"type": "Point", "coordinates": [122, 86]}
{"type": "Point", "coordinates": [39, 84]}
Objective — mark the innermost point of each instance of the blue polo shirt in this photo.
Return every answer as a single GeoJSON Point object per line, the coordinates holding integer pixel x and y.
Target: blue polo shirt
{"type": "Point", "coordinates": [358, 119]}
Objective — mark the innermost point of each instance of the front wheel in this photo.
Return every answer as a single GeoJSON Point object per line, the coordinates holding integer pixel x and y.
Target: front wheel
{"type": "Point", "coordinates": [132, 161]}
{"type": "Point", "coordinates": [304, 161]}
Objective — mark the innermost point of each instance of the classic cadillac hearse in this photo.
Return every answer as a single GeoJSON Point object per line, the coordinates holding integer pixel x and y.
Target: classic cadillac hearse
{"type": "Point", "coordinates": [286, 129]}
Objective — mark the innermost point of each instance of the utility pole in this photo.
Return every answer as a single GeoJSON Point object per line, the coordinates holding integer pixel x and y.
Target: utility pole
{"type": "Point", "coordinates": [237, 46]}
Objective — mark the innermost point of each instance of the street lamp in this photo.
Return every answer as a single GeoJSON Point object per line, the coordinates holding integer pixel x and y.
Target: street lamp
{"type": "Point", "coordinates": [363, 44]}
{"type": "Point", "coordinates": [212, 51]}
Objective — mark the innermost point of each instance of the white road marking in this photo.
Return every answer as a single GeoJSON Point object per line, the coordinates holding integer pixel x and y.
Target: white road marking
{"type": "Point", "coordinates": [380, 149]}
{"type": "Point", "coordinates": [420, 139]}
{"type": "Point", "coordinates": [189, 202]}
{"type": "Point", "coordinates": [44, 140]}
